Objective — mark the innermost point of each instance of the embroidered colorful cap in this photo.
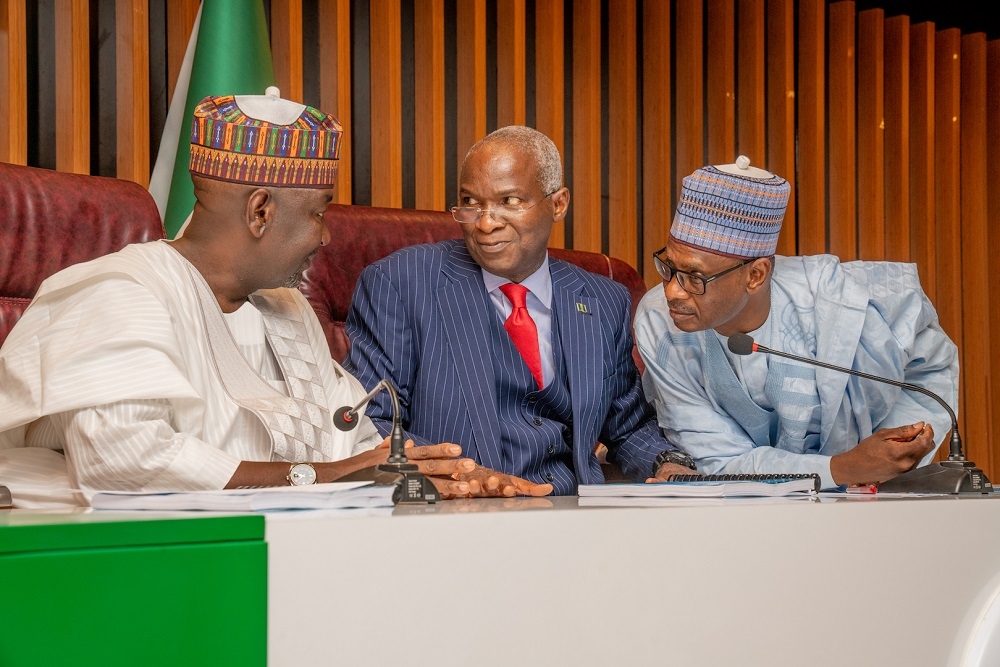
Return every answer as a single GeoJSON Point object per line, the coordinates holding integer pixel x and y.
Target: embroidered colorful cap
{"type": "Point", "coordinates": [733, 210]}
{"type": "Point", "coordinates": [264, 140]}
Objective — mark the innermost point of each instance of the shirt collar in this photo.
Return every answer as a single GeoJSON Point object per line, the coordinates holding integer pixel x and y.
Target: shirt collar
{"type": "Point", "coordinates": [538, 283]}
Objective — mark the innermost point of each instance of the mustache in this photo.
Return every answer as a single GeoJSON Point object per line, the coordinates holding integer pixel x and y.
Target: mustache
{"type": "Point", "coordinates": [678, 308]}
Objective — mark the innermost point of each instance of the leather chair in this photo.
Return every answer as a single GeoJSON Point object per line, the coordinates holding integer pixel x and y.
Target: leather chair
{"type": "Point", "coordinates": [50, 220]}
{"type": "Point", "coordinates": [364, 234]}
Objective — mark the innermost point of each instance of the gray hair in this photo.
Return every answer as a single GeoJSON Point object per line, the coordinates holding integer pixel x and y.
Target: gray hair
{"type": "Point", "coordinates": [532, 142]}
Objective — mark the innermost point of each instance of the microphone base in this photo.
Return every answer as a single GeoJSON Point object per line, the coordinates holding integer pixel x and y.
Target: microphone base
{"type": "Point", "coordinates": [412, 486]}
{"type": "Point", "coordinates": [962, 478]}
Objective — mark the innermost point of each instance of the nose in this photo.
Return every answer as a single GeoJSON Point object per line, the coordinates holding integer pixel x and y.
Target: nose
{"type": "Point", "coordinates": [488, 221]}
{"type": "Point", "coordinates": [673, 290]}
{"type": "Point", "coordinates": [325, 237]}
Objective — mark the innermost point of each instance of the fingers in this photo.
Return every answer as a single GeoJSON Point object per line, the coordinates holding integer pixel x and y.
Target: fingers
{"type": "Point", "coordinates": [903, 433]}
{"type": "Point", "coordinates": [526, 488]}
{"type": "Point", "coordinates": [446, 467]}
{"type": "Point", "coordinates": [486, 483]}
{"type": "Point", "coordinates": [445, 450]}
{"type": "Point", "coordinates": [450, 488]}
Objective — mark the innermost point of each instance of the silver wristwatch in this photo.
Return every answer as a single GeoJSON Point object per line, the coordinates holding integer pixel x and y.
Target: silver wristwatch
{"type": "Point", "coordinates": [301, 474]}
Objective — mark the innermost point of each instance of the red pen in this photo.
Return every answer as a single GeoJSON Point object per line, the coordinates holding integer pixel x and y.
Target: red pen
{"type": "Point", "coordinates": [863, 488]}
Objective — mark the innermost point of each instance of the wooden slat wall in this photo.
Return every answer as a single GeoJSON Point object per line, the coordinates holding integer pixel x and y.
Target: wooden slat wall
{"type": "Point", "coordinates": [896, 75]}
{"type": "Point", "coordinates": [335, 81]}
{"type": "Point", "coordinates": [975, 255]}
{"type": "Point", "coordinates": [887, 130]}
{"type": "Point", "coordinates": [73, 86]}
{"type": "Point", "coordinates": [780, 112]}
{"type": "Point", "coordinates": [811, 96]}
{"type": "Point", "coordinates": [13, 82]}
{"type": "Point", "coordinates": [871, 135]}
{"type": "Point", "coordinates": [132, 89]}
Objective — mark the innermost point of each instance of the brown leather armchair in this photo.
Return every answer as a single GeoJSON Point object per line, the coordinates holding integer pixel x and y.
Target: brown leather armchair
{"type": "Point", "coordinates": [364, 234]}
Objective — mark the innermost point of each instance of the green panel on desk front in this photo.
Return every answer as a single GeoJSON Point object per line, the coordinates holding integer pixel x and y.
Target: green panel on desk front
{"type": "Point", "coordinates": [169, 605]}
{"type": "Point", "coordinates": [31, 531]}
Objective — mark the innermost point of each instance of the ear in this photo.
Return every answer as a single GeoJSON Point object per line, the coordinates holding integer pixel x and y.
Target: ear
{"type": "Point", "coordinates": [259, 207]}
{"type": "Point", "coordinates": [760, 273]}
{"type": "Point", "coordinates": [560, 204]}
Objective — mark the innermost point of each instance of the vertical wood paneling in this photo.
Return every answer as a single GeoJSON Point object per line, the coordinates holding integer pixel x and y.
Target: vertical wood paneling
{"type": "Point", "coordinates": [871, 138]}
{"type": "Point", "coordinates": [181, 15]}
{"type": "Point", "coordinates": [335, 81]}
{"type": "Point", "coordinates": [657, 203]}
{"type": "Point", "coordinates": [992, 147]}
{"type": "Point", "coordinates": [897, 138]}
{"type": "Point", "coordinates": [922, 85]}
{"type": "Point", "coordinates": [975, 256]}
{"type": "Point", "coordinates": [720, 88]}
{"type": "Point", "coordinates": [843, 235]}
{"type": "Point", "coordinates": [587, 125]}
{"type": "Point", "coordinates": [286, 46]}
{"type": "Point", "coordinates": [471, 74]}
{"type": "Point", "coordinates": [780, 157]}
{"type": "Point", "coordinates": [550, 74]}
{"type": "Point", "coordinates": [13, 82]}
{"type": "Point", "coordinates": [689, 110]}
{"type": "Point", "coordinates": [811, 166]}
{"type": "Point", "coordinates": [947, 189]}
{"type": "Point", "coordinates": [132, 89]}
{"type": "Point", "coordinates": [386, 104]}
{"type": "Point", "coordinates": [510, 62]}
{"type": "Point", "coordinates": [750, 77]}
{"type": "Point", "coordinates": [622, 133]}
{"type": "Point", "coordinates": [428, 74]}
{"type": "Point", "coordinates": [73, 86]}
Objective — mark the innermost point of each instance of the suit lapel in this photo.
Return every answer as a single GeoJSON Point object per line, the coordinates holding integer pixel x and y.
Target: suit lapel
{"type": "Point", "coordinates": [465, 308]}
{"type": "Point", "coordinates": [581, 339]}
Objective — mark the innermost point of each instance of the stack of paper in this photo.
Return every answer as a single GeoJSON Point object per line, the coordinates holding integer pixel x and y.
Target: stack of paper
{"type": "Point", "coordinates": [702, 489]}
{"type": "Point", "coordinates": [335, 495]}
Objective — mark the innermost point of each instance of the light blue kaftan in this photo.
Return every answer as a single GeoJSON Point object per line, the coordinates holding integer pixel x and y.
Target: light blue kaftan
{"type": "Point", "coordinates": [762, 413]}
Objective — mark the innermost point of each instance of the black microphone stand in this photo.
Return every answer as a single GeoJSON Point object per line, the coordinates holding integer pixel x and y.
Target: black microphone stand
{"type": "Point", "coordinates": [412, 486]}
{"type": "Point", "coordinates": [957, 475]}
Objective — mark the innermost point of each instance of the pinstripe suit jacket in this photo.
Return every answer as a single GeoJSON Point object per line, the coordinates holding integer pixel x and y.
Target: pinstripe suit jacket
{"type": "Point", "coordinates": [420, 317]}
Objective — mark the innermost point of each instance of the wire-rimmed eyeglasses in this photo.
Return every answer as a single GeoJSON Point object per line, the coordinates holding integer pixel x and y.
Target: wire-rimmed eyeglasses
{"type": "Point", "coordinates": [501, 212]}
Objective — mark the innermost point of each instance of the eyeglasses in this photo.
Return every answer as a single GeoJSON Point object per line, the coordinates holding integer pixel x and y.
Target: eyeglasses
{"type": "Point", "coordinates": [689, 282]}
{"type": "Point", "coordinates": [501, 213]}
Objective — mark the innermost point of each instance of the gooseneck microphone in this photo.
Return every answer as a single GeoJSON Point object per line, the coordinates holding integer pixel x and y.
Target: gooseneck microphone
{"type": "Point", "coordinates": [412, 487]}
{"type": "Point", "coordinates": [956, 475]}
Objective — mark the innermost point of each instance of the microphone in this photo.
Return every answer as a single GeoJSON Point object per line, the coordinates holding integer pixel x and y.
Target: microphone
{"type": "Point", "coordinates": [412, 486]}
{"type": "Point", "coordinates": [957, 475]}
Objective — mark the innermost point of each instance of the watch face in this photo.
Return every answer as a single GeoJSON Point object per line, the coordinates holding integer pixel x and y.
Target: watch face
{"type": "Point", "coordinates": [302, 474]}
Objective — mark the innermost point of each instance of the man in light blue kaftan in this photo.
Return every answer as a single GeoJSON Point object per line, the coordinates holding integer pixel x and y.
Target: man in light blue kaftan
{"type": "Point", "coordinates": [766, 414]}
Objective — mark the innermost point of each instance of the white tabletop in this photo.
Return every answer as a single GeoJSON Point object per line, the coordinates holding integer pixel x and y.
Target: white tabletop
{"type": "Point", "coordinates": [851, 581]}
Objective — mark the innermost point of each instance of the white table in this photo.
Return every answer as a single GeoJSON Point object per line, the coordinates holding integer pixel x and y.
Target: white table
{"type": "Point", "coordinates": [789, 582]}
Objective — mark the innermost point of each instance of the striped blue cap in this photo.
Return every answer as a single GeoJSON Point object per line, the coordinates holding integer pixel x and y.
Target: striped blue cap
{"type": "Point", "coordinates": [732, 210]}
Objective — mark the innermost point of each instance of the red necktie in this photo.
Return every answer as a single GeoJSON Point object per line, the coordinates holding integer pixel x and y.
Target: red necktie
{"type": "Point", "coordinates": [522, 330]}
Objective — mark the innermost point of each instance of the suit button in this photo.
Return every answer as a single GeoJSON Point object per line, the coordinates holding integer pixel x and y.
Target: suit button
{"type": "Point", "coordinates": [532, 400]}
{"type": "Point", "coordinates": [538, 421]}
{"type": "Point", "coordinates": [549, 477]}
{"type": "Point", "coordinates": [552, 449]}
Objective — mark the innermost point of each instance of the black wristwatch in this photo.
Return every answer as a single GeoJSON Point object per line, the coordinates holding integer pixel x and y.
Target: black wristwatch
{"type": "Point", "coordinates": [675, 456]}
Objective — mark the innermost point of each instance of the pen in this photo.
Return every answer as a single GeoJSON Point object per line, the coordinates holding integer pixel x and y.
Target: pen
{"type": "Point", "coordinates": [863, 488]}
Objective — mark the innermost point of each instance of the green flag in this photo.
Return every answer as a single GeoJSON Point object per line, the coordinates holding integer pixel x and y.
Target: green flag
{"type": "Point", "coordinates": [231, 56]}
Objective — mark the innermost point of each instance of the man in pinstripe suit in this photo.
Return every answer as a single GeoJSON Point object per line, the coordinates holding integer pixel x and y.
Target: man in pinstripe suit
{"type": "Point", "coordinates": [436, 320]}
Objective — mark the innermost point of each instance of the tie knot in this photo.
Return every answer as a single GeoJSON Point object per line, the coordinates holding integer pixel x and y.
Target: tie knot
{"type": "Point", "coordinates": [516, 293]}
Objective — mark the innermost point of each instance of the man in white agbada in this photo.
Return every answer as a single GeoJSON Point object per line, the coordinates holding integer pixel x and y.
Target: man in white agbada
{"type": "Point", "coordinates": [195, 364]}
{"type": "Point", "coordinates": [766, 414]}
